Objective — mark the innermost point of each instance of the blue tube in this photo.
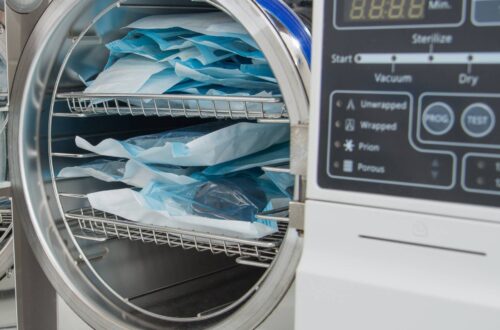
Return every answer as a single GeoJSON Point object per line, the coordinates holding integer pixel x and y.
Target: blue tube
{"type": "Point", "coordinates": [287, 17]}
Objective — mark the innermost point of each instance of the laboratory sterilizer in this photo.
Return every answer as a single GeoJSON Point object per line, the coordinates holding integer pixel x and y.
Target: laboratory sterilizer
{"type": "Point", "coordinates": [398, 226]}
{"type": "Point", "coordinates": [115, 273]}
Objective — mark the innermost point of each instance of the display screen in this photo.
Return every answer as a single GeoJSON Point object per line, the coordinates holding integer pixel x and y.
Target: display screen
{"type": "Point", "coordinates": [384, 10]}
{"type": "Point", "coordinates": [363, 14]}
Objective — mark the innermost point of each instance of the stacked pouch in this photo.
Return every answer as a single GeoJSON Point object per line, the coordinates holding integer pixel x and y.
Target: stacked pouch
{"type": "Point", "coordinates": [221, 199]}
{"type": "Point", "coordinates": [202, 54]}
{"type": "Point", "coordinates": [176, 53]}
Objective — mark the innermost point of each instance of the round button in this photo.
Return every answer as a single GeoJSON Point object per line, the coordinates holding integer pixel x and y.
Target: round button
{"type": "Point", "coordinates": [478, 120]}
{"type": "Point", "coordinates": [438, 118]}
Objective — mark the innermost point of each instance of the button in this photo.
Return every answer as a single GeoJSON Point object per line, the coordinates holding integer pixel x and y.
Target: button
{"type": "Point", "coordinates": [438, 118]}
{"type": "Point", "coordinates": [478, 120]}
{"type": "Point", "coordinates": [486, 12]}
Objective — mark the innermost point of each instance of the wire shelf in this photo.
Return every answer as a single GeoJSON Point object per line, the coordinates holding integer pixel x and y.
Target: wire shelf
{"type": "Point", "coordinates": [5, 223]}
{"type": "Point", "coordinates": [174, 105]}
{"type": "Point", "coordinates": [108, 226]}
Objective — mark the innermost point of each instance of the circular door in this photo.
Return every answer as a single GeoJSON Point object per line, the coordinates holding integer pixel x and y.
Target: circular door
{"type": "Point", "coordinates": [99, 274]}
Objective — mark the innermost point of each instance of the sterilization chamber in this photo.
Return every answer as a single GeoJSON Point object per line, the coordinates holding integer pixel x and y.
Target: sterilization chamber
{"type": "Point", "coordinates": [116, 273]}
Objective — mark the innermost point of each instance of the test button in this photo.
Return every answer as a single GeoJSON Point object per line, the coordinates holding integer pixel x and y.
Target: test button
{"type": "Point", "coordinates": [438, 118]}
{"type": "Point", "coordinates": [478, 120]}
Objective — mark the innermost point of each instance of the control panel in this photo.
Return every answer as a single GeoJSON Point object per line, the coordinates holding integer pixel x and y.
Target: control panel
{"type": "Point", "coordinates": [410, 98]}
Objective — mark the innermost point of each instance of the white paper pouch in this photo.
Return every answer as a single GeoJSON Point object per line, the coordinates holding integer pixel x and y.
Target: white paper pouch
{"type": "Point", "coordinates": [214, 23]}
{"type": "Point", "coordinates": [200, 145]}
{"type": "Point", "coordinates": [132, 205]}
{"type": "Point", "coordinates": [127, 75]}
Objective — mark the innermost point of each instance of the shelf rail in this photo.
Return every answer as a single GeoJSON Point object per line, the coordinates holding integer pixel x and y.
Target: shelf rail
{"type": "Point", "coordinates": [6, 223]}
{"type": "Point", "coordinates": [103, 226]}
{"type": "Point", "coordinates": [266, 109]}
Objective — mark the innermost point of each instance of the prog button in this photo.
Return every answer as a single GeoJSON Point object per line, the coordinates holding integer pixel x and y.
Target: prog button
{"type": "Point", "coordinates": [478, 120]}
{"type": "Point", "coordinates": [438, 118]}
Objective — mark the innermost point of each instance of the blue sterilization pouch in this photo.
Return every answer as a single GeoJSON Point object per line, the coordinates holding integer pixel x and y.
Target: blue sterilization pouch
{"type": "Point", "coordinates": [239, 197]}
{"type": "Point", "coordinates": [285, 182]}
{"type": "Point", "coordinates": [223, 206]}
{"type": "Point", "coordinates": [232, 45]}
{"type": "Point", "coordinates": [215, 78]}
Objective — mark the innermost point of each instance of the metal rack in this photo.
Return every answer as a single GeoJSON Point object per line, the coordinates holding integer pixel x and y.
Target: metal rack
{"type": "Point", "coordinates": [100, 226]}
{"type": "Point", "coordinates": [92, 224]}
{"type": "Point", "coordinates": [174, 105]}
{"type": "Point", "coordinates": [5, 223]}
{"type": "Point", "coordinates": [4, 101]}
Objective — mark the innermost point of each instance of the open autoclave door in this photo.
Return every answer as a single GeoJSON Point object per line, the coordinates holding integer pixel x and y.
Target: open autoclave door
{"type": "Point", "coordinates": [115, 273]}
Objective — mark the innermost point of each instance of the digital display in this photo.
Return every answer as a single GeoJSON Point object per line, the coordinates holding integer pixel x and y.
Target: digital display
{"type": "Point", "coordinates": [384, 10]}
{"type": "Point", "coordinates": [383, 14]}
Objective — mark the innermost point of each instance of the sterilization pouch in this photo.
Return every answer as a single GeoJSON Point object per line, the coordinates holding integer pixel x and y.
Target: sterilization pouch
{"type": "Point", "coordinates": [214, 23]}
{"type": "Point", "coordinates": [240, 197]}
{"type": "Point", "coordinates": [284, 181]}
{"type": "Point", "coordinates": [169, 39]}
{"type": "Point", "coordinates": [262, 71]}
{"type": "Point", "coordinates": [173, 53]}
{"type": "Point", "coordinates": [202, 54]}
{"type": "Point", "coordinates": [177, 49]}
{"type": "Point", "coordinates": [201, 145]}
{"type": "Point", "coordinates": [185, 71]}
{"type": "Point", "coordinates": [224, 70]}
{"type": "Point", "coordinates": [161, 82]}
{"type": "Point", "coordinates": [134, 206]}
{"type": "Point", "coordinates": [224, 206]}
{"type": "Point", "coordinates": [137, 44]}
{"type": "Point", "coordinates": [127, 75]}
{"type": "Point", "coordinates": [130, 172]}
{"type": "Point", "coordinates": [232, 45]}
{"type": "Point", "coordinates": [275, 155]}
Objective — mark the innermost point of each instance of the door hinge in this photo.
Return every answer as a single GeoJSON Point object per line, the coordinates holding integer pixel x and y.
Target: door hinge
{"type": "Point", "coordinates": [298, 156]}
{"type": "Point", "coordinates": [297, 215]}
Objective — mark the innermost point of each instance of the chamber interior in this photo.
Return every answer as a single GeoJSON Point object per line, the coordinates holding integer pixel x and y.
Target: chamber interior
{"type": "Point", "coordinates": [173, 273]}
